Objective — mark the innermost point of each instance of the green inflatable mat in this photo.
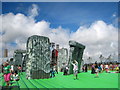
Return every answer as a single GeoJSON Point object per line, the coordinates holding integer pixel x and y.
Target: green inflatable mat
{"type": "Point", "coordinates": [86, 80]}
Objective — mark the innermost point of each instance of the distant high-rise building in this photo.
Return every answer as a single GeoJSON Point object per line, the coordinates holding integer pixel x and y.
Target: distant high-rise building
{"type": "Point", "coordinates": [6, 53]}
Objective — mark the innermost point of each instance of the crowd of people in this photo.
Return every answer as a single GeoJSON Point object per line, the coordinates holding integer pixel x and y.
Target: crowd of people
{"type": "Point", "coordinates": [101, 67]}
{"type": "Point", "coordinates": [11, 72]}
{"type": "Point", "coordinates": [65, 70]}
{"type": "Point", "coordinates": [95, 68]}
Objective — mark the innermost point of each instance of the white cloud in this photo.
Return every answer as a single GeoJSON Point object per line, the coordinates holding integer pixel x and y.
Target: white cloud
{"type": "Point", "coordinates": [114, 14]}
{"type": "Point", "coordinates": [99, 38]}
{"type": "Point", "coordinates": [60, 36]}
{"type": "Point", "coordinates": [33, 11]}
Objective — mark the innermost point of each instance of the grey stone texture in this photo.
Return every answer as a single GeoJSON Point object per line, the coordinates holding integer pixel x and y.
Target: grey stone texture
{"type": "Point", "coordinates": [24, 62]}
{"type": "Point", "coordinates": [18, 57]}
{"type": "Point", "coordinates": [75, 53]}
{"type": "Point", "coordinates": [38, 57]}
{"type": "Point", "coordinates": [62, 57]}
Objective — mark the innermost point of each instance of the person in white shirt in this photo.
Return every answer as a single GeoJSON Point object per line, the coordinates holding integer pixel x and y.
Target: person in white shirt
{"type": "Point", "coordinates": [106, 67]}
{"type": "Point", "coordinates": [12, 68]}
{"type": "Point", "coordinates": [101, 67]}
{"type": "Point", "coordinates": [75, 68]}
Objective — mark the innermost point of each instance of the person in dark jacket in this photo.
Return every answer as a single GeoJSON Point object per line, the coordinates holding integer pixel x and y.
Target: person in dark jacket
{"type": "Point", "coordinates": [2, 67]}
{"type": "Point", "coordinates": [96, 70]}
{"type": "Point", "coordinates": [93, 69]}
{"type": "Point", "coordinates": [85, 67]}
{"type": "Point", "coordinates": [65, 71]}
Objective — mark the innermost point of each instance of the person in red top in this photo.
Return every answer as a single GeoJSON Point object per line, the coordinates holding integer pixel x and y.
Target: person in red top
{"type": "Point", "coordinates": [56, 53]}
{"type": "Point", "coordinates": [112, 67]}
{"type": "Point", "coordinates": [54, 56]}
{"type": "Point", "coordinates": [54, 59]}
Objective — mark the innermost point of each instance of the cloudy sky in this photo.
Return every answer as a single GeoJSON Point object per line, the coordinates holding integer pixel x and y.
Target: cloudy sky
{"type": "Point", "coordinates": [91, 24]}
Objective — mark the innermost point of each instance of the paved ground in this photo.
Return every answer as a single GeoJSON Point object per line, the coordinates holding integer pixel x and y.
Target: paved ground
{"type": "Point", "coordinates": [86, 80]}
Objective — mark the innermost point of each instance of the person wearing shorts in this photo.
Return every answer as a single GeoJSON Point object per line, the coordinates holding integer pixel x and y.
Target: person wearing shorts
{"type": "Point", "coordinates": [7, 73]}
{"type": "Point", "coordinates": [106, 68]}
{"type": "Point", "coordinates": [75, 73]}
{"type": "Point", "coordinates": [75, 68]}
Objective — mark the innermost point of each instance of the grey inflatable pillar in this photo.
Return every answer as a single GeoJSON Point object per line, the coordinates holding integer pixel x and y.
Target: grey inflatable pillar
{"type": "Point", "coordinates": [38, 57]}
{"type": "Point", "coordinates": [75, 53]}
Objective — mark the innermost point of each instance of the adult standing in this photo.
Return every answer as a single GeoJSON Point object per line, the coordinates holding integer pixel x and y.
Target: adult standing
{"type": "Point", "coordinates": [75, 68]}
{"type": "Point", "coordinates": [86, 68]}
{"type": "Point", "coordinates": [96, 70]}
{"type": "Point", "coordinates": [83, 68]}
{"type": "Point", "coordinates": [101, 67]}
{"type": "Point", "coordinates": [93, 69]}
{"type": "Point", "coordinates": [119, 67]}
{"type": "Point", "coordinates": [112, 67]}
{"type": "Point", "coordinates": [2, 67]}
{"type": "Point", "coordinates": [106, 68]}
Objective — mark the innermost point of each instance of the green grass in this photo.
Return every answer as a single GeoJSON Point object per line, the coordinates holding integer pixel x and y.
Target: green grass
{"type": "Point", "coordinates": [86, 80]}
